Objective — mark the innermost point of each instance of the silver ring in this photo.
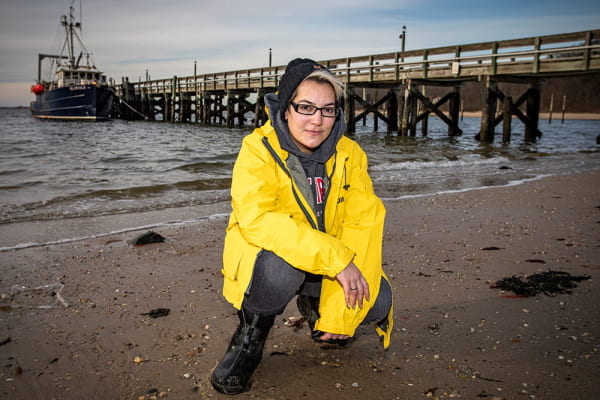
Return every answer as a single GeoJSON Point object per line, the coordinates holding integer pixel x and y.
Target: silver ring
{"type": "Point", "coordinates": [353, 288]}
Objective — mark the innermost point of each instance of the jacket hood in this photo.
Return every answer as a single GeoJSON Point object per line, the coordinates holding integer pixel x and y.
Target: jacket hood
{"type": "Point", "coordinates": [321, 153]}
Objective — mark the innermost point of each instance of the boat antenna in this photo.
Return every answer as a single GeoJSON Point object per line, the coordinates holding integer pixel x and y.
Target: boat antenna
{"type": "Point", "coordinates": [70, 25]}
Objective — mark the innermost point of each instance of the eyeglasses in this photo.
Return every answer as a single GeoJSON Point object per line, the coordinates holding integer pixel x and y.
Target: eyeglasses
{"type": "Point", "coordinates": [307, 109]}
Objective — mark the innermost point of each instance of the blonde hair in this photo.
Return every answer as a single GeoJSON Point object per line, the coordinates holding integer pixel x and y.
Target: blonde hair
{"type": "Point", "coordinates": [322, 76]}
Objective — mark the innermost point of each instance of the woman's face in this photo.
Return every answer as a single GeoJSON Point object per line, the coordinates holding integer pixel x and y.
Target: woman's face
{"type": "Point", "coordinates": [309, 131]}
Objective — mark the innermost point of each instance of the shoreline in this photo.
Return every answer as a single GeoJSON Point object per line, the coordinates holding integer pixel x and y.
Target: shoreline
{"type": "Point", "coordinates": [135, 222]}
{"type": "Point", "coordinates": [147, 220]}
{"type": "Point", "coordinates": [543, 116]}
{"type": "Point", "coordinates": [103, 346]}
{"type": "Point", "coordinates": [556, 115]}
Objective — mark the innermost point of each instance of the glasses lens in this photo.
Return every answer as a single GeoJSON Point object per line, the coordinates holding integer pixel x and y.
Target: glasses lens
{"type": "Point", "coordinates": [306, 109]}
{"type": "Point", "coordinates": [328, 111]}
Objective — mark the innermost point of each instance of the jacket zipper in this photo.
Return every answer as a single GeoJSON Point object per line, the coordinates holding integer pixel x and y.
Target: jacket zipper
{"type": "Point", "coordinates": [345, 186]}
{"type": "Point", "coordinates": [329, 180]}
{"type": "Point", "coordinates": [294, 192]}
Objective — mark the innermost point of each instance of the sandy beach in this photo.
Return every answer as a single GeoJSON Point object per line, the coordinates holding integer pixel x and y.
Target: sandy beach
{"type": "Point", "coordinates": [85, 332]}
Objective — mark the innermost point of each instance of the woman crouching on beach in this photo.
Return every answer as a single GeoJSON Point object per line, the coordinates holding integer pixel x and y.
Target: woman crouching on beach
{"type": "Point", "coordinates": [305, 221]}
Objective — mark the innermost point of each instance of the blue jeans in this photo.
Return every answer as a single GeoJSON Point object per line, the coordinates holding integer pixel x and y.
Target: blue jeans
{"type": "Point", "coordinates": [275, 283]}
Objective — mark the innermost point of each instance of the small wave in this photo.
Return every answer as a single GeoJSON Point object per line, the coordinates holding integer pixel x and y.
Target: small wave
{"type": "Point", "coordinates": [205, 184]}
{"type": "Point", "coordinates": [137, 192]}
{"type": "Point", "coordinates": [22, 185]}
{"type": "Point", "coordinates": [514, 182]}
{"type": "Point", "coordinates": [12, 171]}
{"type": "Point", "coordinates": [121, 158]}
{"type": "Point", "coordinates": [220, 163]}
{"type": "Point", "coordinates": [82, 208]}
{"type": "Point", "coordinates": [416, 165]}
{"type": "Point", "coordinates": [25, 155]}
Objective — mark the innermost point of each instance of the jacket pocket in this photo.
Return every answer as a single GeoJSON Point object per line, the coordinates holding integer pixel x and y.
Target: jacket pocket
{"type": "Point", "coordinates": [238, 257]}
{"type": "Point", "coordinates": [233, 251]}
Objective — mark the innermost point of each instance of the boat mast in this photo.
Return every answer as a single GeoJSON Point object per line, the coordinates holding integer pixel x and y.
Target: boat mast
{"type": "Point", "coordinates": [70, 25]}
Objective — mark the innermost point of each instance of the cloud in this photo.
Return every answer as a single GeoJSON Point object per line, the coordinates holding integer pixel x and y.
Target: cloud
{"type": "Point", "coordinates": [128, 37]}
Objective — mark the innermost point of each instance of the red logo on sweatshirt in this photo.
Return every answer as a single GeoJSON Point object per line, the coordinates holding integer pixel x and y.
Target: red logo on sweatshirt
{"type": "Point", "coordinates": [319, 188]}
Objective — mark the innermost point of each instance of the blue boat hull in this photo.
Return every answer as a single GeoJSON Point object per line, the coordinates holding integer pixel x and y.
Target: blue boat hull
{"type": "Point", "coordinates": [82, 102]}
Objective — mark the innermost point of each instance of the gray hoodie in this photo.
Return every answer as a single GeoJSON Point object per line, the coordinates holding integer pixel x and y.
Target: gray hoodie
{"type": "Point", "coordinates": [313, 163]}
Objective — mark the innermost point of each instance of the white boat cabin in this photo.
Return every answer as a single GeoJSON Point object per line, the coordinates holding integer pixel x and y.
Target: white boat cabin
{"type": "Point", "coordinates": [75, 77]}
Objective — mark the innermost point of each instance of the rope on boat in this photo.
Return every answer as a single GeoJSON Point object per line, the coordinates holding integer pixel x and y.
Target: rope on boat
{"type": "Point", "coordinates": [133, 109]}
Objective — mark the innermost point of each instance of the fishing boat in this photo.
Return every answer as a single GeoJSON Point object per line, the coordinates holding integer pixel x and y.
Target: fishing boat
{"type": "Point", "coordinates": [76, 89]}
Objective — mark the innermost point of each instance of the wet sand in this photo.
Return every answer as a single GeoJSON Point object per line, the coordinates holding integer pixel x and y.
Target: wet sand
{"type": "Point", "coordinates": [454, 336]}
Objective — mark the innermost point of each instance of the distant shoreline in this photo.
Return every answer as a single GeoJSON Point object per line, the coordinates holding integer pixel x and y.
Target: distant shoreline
{"type": "Point", "coordinates": [556, 116]}
{"type": "Point", "coordinates": [469, 114]}
{"type": "Point", "coordinates": [544, 116]}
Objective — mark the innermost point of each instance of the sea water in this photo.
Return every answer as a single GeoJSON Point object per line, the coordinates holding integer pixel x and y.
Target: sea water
{"type": "Point", "coordinates": [97, 178]}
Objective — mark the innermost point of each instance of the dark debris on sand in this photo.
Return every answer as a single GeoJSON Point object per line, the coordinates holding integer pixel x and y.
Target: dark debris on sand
{"type": "Point", "coordinates": [550, 283]}
{"type": "Point", "coordinates": [148, 238]}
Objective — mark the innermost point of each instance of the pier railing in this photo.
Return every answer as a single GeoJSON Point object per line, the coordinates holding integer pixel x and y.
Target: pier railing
{"type": "Point", "coordinates": [227, 97]}
{"type": "Point", "coordinates": [553, 55]}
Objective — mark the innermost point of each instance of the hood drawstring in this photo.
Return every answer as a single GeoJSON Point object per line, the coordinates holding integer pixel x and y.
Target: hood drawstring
{"type": "Point", "coordinates": [346, 185]}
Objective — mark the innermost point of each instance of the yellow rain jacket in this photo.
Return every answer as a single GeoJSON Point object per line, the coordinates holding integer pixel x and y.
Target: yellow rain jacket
{"type": "Point", "coordinates": [270, 212]}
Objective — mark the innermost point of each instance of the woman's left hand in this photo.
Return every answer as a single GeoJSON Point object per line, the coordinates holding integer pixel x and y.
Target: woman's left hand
{"type": "Point", "coordinates": [356, 288]}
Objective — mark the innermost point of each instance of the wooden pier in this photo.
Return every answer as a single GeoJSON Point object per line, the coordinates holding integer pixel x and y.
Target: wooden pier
{"type": "Point", "coordinates": [235, 98]}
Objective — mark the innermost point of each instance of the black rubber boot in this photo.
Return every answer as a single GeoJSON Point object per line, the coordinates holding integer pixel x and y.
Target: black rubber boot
{"type": "Point", "coordinates": [232, 375]}
{"type": "Point", "coordinates": [309, 308]}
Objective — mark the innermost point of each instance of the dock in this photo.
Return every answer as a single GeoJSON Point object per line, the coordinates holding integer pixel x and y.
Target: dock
{"type": "Point", "coordinates": [235, 98]}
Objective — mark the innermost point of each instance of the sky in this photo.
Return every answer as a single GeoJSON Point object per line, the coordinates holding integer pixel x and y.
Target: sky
{"type": "Point", "coordinates": [128, 37]}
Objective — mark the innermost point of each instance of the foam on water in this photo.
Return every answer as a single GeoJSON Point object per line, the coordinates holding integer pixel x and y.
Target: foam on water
{"type": "Point", "coordinates": [515, 182]}
{"type": "Point", "coordinates": [192, 221]}
{"type": "Point", "coordinates": [420, 165]}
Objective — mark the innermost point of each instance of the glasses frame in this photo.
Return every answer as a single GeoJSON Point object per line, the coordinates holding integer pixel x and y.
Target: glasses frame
{"type": "Point", "coordinates": [296, 105]}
